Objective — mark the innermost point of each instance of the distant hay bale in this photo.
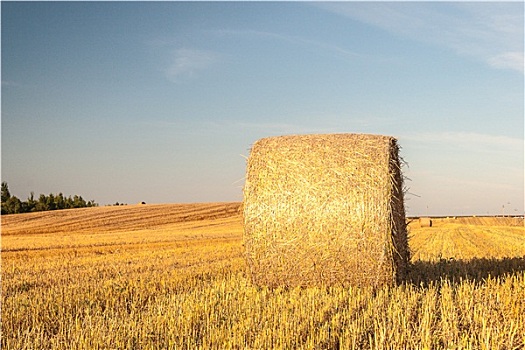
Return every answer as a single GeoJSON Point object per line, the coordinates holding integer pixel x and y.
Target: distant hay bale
{"type": "Point", "coordinates": [325, 210]}
{"type": "Point", "coordinates": [425, 222]}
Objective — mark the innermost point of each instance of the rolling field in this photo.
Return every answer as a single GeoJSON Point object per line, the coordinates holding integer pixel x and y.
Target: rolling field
{"type": "Point", "coordinates": [174, 277]}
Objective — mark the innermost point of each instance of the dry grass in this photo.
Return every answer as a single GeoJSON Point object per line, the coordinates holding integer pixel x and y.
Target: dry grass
{"type": "Point", "coordinates": [325, 210]}
{"type": "Point", "coordinates": [488, 221]}
{"type": "Point", "coordinates": [184, 285]}
{"type": "Point", "coordinates": [114, 218]}
{"type": "Point", "coordinates": [122, 225]}
{"type": "Point", "coordinates": [447, 239]}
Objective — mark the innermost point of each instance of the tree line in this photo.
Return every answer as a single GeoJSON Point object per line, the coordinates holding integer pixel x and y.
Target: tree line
{"type": "Point", "coordinates": [13, 205]}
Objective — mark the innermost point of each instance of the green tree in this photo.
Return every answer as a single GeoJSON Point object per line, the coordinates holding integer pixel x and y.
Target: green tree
{"type": "Point", "coordinates": [30, 203]}
{"type": "Point", "coordinates": [41, 205]}
{"type": "Point", "coordinates": [5, 192]}
{"type": "Point", "coordinates": [50, 201]}
{"type": "Point", "coordinates": [13, 205]}
{"type": "Point", "coordinates": [78, 202]}
{"type": "Point", "coordinates": [5, 197]}
{"type": "Point", "coordinates": [60, 201]}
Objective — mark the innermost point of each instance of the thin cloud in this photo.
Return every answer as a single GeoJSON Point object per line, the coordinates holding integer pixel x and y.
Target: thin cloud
{"type": "Point", "coordinates": [332, 49]}
{"type": "Point", "coordinates": [299, 129]}
{"type": "Point", "coordinates": [277, 128]}
{"type": "Point", "coordinates": [482, 184]}
{"type": "Point", "coordinates": [187, 62]}
{"type": "Point", "coordinates": [328, 124]}
{"type": "Point", "coordinates": [8, 83]}
{"type": "Point", "coordinates": [470, 139]}
{"type": "Point", "coordinates": [491, 32]}
{"type": "Point", "coordinates": [508, 60]}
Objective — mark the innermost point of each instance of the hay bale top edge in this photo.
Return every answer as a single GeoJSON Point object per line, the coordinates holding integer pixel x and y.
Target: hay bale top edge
{"type": "Point", "coordinates": [357, 151]}
{"type": "Point", "coordinates": [336, 136]}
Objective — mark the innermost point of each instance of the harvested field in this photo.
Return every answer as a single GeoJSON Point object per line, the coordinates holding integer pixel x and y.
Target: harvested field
{"type": "Point", "coordinates": [102, 226]}
{"type": "Point", "coordinates": [183, 283]}
{"type": "Point", "coordinates": [446, 240]}
{"type": "Point", "coordinates": [488, 221]}
{"type": "Point", "coordinates": [117, 218]}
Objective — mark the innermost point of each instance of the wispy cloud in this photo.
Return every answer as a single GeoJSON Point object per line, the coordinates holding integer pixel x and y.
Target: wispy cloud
{"type": "Point", "coordinates": [470, 140]}
{"type": "Point", "coordinates": [509, 60]}
{"type": "Point", "coordinates": [491, 32]}
{"type": "Point", "coordinates": [481, 185]}
{"type": "Point", "coordinates": [330, 123]}
{"type": "Point", "coordinates": [277, 128]}
{"type": "Point", "coordinates": [8, 83]}
{"type": "Point", "coordinates": [187, 62]}
{"type": "Point", "coordinates": [334, 50]}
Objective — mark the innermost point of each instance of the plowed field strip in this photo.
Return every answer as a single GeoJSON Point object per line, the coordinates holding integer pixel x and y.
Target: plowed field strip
{"type": "Point", "coordinates": [490, 221]}
{"type": "Point", "coordinates": [107, 219]}
{"type": "Point", "coordinates": [209, 229]}
{"type": "Point", "coordinates": [113, 246]}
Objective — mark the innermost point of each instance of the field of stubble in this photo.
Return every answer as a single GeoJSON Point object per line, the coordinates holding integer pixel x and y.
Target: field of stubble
{"type": "Point", "coordinates": [173, 277]}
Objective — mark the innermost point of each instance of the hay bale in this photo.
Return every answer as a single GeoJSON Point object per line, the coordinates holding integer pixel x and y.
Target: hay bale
{"type": "Point", "coordinates": [425, 222]}
{"type": "Point", "coordinates": [325, 210]}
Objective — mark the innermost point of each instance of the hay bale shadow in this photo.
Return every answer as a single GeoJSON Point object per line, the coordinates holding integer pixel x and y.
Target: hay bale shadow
{"type": "Point", "coordinates": [423, 273]}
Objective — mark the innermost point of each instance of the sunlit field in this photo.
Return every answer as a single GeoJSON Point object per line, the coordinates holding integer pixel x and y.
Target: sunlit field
{"type": "Point", "coordinates": [174, 277]}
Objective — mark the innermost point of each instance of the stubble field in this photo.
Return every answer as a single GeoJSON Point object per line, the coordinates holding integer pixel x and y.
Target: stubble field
{"type": "Point", "coordinates": [174, 277]}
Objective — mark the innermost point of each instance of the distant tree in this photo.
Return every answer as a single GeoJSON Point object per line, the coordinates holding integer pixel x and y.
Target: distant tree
{"type": "Point", "coordinates": [10, 204]}
{"type": "Point", "coordinates": [50, 201]}
{"type": "Point", "coordinates": [5, 197]}
{"type": "Point", "coordinates": [13, 205]}
{"type": "Point", "coordinates": [5, 192]}
{"type": "Point", "coordinates": [41, 204]}
{"type": "Point", "coordinates": [30, 204]}
{"type": "Point", "coordinates": [78, 202]}
{"type": "Point", "coordinates": [60, 202]}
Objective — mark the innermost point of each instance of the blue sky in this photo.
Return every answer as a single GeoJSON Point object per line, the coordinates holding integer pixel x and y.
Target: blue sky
{"type": "Point", "coordinates": [159, 102]}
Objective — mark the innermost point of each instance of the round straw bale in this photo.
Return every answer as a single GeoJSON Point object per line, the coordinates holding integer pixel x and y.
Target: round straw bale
{"type": "Point", "coordinates": [325, 210]}
{"type": "Point", "coordinates": [425, 222]}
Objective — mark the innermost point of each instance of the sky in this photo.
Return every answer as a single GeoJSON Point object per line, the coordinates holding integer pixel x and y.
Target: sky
{"type": "Point", "coordinates": [160, 102]}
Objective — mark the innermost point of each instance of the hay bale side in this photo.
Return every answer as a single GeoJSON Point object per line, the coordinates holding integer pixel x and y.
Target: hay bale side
{"type": "Point", "coordinates": [325, 210]}
{"type": "Point", "coordinates": [425, 222]}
